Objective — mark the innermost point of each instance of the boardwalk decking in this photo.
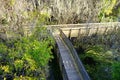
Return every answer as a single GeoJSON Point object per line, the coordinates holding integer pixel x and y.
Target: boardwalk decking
{"type": "Point", "coordinates": [70, 64]}
{"type": "Point", "coordinates": [68, 61]}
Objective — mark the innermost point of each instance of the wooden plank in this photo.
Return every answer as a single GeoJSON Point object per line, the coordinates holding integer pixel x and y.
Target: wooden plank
{"type": "Point", "coordinates": [67, 61]}
{"type": "Point", "coordinates": [82, 72]}
{"type": "Point", "coordinates": [86, 24]}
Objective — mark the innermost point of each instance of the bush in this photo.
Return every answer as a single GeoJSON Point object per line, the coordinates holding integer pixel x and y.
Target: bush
{"type": "Point", "coordinates": [116, 71]}
{"type": "Point", "coordinates": [27, 57]}
{"type": "Point", "coordinates": [101, 55]}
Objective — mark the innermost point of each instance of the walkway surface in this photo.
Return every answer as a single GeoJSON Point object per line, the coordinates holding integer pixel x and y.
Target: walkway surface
{"type": "Point", "coordinates": [68, 61]}
{"type": "Point", "coordinates": [70, 64]}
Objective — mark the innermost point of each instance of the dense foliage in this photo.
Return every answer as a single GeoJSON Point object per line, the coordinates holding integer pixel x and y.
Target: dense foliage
{"type": "Point", "coordinates": [110, 11]}
{"type": "Point", "coordinates": [24, 50]}
{"type": "Point", "coordinates": [101, 55]}
{"type": "Point", "coordinates": [26, 58]}
{"type": "Point", "coordinates": [60, 11]}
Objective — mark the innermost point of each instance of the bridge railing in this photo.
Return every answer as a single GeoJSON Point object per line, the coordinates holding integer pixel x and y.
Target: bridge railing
{"type": "Point", "coordinates": [86, 29]}
{"type": "Point", "coordinates": [79, 64]}
{"type": "Point", "coordinates": [86, 25]}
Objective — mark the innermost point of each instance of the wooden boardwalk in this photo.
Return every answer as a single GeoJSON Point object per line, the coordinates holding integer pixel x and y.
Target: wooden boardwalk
{"type": "Point", "coordinates": [68, 61]}
{"type": "Point", "coordinates": [70, 64]}
{"type": "Point", "coordinates": [86, 29]}
{"type": "Point", "coordinates": [71, 68]}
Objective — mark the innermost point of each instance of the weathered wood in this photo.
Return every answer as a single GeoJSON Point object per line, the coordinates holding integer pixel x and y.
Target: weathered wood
{"type": "Point", "coordinates": [93, 28]}
{"type": "Point", "coordinates": [82, 72]}
{"type": "Point", "coordinates": [79, 33]}
{"type": "Point", "coordinates": [68, 55]}
{"type": "Point", "coordinates": [70, 65]}
{"type": "Point", "coordinates": [67, 65]}
{"type": "Point", "coordinates": [69, 35]}
{"type": "Point", "coordinates": [86, 25]}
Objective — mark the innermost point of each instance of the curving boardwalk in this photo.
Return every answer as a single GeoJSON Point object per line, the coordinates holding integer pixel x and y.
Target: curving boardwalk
{"type": "Point", "coordinates": [67, 60]}
{"type": "Point", "coordinates": [68, 65]}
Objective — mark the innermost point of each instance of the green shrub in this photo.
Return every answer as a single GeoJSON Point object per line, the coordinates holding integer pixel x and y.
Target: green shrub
{"type": "Point", "coordinates": [27, 57]}
{"type": "Point", "coordinates": [116, 71]}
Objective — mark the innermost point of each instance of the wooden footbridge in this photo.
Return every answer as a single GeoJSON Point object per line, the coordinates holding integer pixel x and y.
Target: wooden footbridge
{"type": "Point", "coordinates": [70, 64]}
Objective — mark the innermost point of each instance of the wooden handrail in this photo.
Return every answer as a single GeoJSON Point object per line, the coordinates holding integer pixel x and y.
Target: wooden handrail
{"type": "Point", "coordinates": [86, 24]}
{"type": "Point", "coordinates": [78, 62]}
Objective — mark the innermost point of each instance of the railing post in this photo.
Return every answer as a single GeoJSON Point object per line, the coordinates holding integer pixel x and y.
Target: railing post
{"type": "Point", "coordinates": [87, 31]}
{"type": "Point", "coordinates": [97, 30]}
{"type": "Point", "coordinates": [105, 30]}
{"type": "Point", "coordinates": [79, 32]}
{"type": "Point", "coordinates": [69, 35]}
